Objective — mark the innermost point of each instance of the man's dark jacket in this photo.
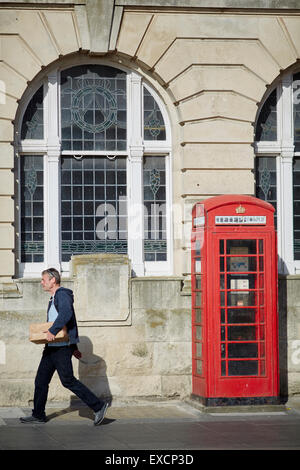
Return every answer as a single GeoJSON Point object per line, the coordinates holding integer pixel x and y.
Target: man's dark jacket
{"type": "Point", "coordinates": [63, 302]}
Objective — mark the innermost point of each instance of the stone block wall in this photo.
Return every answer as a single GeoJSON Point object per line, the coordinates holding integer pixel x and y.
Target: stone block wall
{"type": "Point", "coordinates": [210, 67]}
{"type": "Point", "coordinates": [146, 354]}
{"type": "Point", "coordinates": [289, 335]}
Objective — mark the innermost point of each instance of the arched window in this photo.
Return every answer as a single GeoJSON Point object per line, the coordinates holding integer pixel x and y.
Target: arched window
{"type": "Point", "coordinates": [33, 120]}
{"type": "Point", "coordinates": [278, 165]}
{"type": "Point", "coordinates": [266, 129]}
{"type": "Point", "coordinates": [93, 145]}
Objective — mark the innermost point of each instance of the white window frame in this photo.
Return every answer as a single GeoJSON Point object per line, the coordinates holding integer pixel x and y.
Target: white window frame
{"type": "Point", "coordinates": [161, 148]}
{"type": "Point", "coordinates": [283, 151]}
{"type": "Point", "coordinates": [137, 148]}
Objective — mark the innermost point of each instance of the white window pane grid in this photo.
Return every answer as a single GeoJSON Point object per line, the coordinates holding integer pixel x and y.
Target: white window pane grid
{"type": "Point", "coordinates": [93, 205]}
{"type": "Point", "coordinates": [155, 233]}
{"type": "Point", "coordinates": [84, 227]}
{"type": "Point", "coordinates": [32, 208]}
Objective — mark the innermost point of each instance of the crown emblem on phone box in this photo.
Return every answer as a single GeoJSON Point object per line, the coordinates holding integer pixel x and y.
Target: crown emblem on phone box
{"type": "Point", "coordinates": [240, 209]}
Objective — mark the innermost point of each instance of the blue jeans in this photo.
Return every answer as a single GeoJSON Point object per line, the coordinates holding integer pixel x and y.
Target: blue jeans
{"type": "Point", "coordinates": [59, 358]}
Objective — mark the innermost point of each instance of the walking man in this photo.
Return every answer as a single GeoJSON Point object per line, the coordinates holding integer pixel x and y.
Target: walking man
{"type": "Point", "coordinates": [58, 356]}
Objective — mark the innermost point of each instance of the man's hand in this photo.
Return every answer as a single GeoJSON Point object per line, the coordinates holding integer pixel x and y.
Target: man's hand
{"type": "Point", "coordinates": [49, 336]}
{"type": "Point", "coordinates": [77, 354]}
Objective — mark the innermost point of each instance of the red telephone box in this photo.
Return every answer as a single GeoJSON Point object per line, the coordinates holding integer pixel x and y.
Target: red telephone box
{"type": "Point", "coordinates": [234, 302]}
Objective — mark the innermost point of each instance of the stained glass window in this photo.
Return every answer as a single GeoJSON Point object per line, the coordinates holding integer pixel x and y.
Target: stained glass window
{"type": "Point", "coordinates": [33, 120]}
{"type": "Point", "coordinates": [93, 206]}
{"type": "Point", "coordinates": [90, 158]}
{"type": "Point", "coordinates": [154, 126]}
{"type": "Point", "coordinates": [155, 245]}
{"type": "Point", "coordinates": [296, 110]}
{"type": "Point", "coordinates": [266, 129]}
{"type": "Point", "coordinates": [32, 208]}
{"type": "Point", "coordinates": [266, 181]}
{"type": "Point", "coordinates": [296, 191]}
{"type": "Point", "coordinates": [93, 108]}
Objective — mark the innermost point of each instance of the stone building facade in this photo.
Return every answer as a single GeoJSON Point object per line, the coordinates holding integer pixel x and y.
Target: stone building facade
{"type": "Point", "coordinates": [198, 98]}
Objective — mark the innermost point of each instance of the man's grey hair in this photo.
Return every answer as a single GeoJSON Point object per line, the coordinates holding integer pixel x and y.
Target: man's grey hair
{"type": "Point", "coordinates": [52, 272]}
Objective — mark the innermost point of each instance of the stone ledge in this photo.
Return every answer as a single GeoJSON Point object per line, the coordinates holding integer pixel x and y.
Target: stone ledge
{"type": "Point", "coordinates": [235, 409]}
{"type": "Point", "coordinates": [289, 277]}
{"type": "Point", "coordinates": [213, 4]}
{"type": "Point", "coordinates": [9, 290]}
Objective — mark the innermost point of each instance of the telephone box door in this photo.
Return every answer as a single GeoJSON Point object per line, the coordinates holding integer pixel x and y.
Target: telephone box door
{"type": "Point", "coordinates": [243, 329]}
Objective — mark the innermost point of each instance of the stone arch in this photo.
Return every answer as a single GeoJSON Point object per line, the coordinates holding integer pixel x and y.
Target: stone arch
{"type": "Point", "coordinates": [137, 83]}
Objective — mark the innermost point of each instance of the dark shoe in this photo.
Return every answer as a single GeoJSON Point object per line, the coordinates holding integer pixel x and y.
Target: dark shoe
{"type": "Point", "coordinates": [32, 420]}
{"type": "Point", "coordinates": [99, 415]}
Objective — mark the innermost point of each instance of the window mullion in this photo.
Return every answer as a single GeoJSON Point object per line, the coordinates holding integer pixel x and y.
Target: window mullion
{"type": "Point", "coordinates": [135, 177]}
{"type": "Point", "coordinates": [52, 176]}
{"type": "Point", "coordinates": [287, 113]}
{"type": "Point", "coordinates": [286, 174]}
{"type": "Point", "coordinates": [280, 228]}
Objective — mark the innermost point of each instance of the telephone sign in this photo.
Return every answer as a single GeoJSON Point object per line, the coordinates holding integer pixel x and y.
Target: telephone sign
{"type": "Point", "coordinates": [234, 301]}
{"type": "Point", "coordinates": [240, 220]}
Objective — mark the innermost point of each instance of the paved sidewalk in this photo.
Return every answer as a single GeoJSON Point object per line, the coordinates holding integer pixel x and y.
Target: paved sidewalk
{"type": "Point", "coordinates": [160, 426]}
